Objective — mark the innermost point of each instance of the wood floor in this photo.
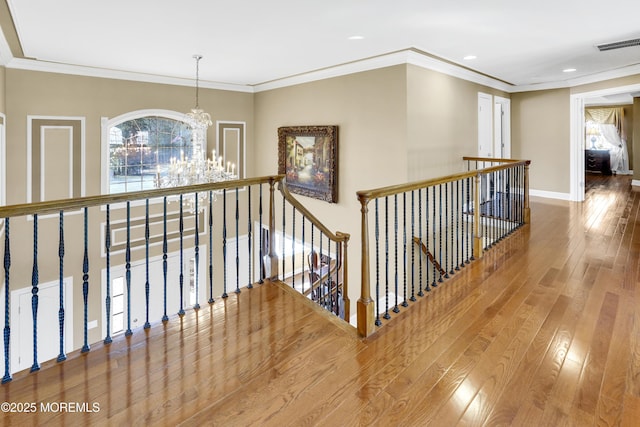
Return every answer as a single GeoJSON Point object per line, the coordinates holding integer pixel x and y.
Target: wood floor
{"type": "Point", "coordinates": [543, 331]}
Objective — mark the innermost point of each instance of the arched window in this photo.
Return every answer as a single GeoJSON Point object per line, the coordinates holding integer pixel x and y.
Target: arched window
{"type": "Point", "coordinates": [139, 147]}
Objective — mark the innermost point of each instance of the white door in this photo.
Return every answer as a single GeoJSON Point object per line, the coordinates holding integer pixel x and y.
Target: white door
{"type": "Point", "coordinates": [485, 125]}
{"type": "Point", "coordinates": [502, 128]}
{"type": "Point", "coordinates": [48, 324]}
{"type": "Point", "coordinates": [497, 131]}
{"type": "Point", "coordinates": [138, 307]}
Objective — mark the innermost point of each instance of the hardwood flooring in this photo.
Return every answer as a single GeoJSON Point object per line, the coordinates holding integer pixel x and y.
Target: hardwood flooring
{"type": "Point", "coordinates": [543, 331]}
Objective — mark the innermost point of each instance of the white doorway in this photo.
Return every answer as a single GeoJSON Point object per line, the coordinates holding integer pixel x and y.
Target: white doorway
{"type": "Point", "coordinates": [502, 128]}
{"type": "Point", "coordinates": [48, 324]}
{"type": "Point", "coordinates": [118, 291]}
{"type": "Point", "coordinates": [485, 125]}
{"type": "Point", "coordinates": [576, 135]}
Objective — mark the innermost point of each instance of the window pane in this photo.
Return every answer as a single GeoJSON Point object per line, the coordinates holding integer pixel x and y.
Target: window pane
{"type": "Point", "coordinates": [118, 286]}
{"type": "Point", "coordinates": [140, 147]}
{"type": "Point", "coordinates": [118, 323]}
{"type": "Point", "coordinates": [118, 304]}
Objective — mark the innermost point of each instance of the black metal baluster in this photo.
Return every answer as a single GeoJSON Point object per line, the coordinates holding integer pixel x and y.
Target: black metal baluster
{"type": "Point", "coordinates": [261, 281]}
{"type": "Point", "coordinates": [224, 243]}
{"type": "Point", "coordinates": [7, 295]}
{"type": "Point", "coordinates": [322, 296]}
{"type": "Point", "coordinates": [211, 299]}
{"type": "Point", "coordinates": [420, 292]}
{"type": "Point", "coordinates": [147, 325]}
{"type": "Point", "coordinates": [451, 228]}
{"type": "Point", "coordinates": [61, 356]}
{"type": "Point", "coordinates": [249, 239]}
{"type": "Point", "coordinates": [404, 246]}
{"type": "Point", "coordinates": [386, 258]}
{"type": "Point", "coordinates": [413, 256]}
{"type": "Point", "coordinates": [396, 309]}
{"type": "Point", "coordinates": [435, 233]}
{"type": "Point", "coordinates": [34, 294]}
{"type": "Point", "coordinates": [237, 244]}
{"type": "Point", "coordinates": [107, 249]}
{"type": "Point", "coordinates": [446, 228]}
{"type": "Point", "coordinates": [302, 279]}
{"type": "Point", "coordinates": [284, 225]}
{"type": "Point", "coordinates": [293, 246]}
{"type": "Point", "coordinates": [440, 228]}
{"type": "Point", "coordinates": [181, 277]}
{"type": "Point", "coordinates": [128, 270]}
{"type": "Point", "coordinates": [330, 283]}
{"type": "Point", "coordinates": [426, 244]}
{"type": "Point", "coordinates": [196, 249]}
{"type": "Point", "coordinates": [85, 281]}
{"type": "Point", "coordinates": [458, 211]}
{"type": "Point", "coordinates": [165, 248]}
{"type": "Point", "coordinates": [470, 227]}
{"type": "Point", "coordinates": [378, 322]}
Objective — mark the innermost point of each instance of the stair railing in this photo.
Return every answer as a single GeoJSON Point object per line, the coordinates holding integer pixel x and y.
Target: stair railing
{"type": "Point", "coordinates": [451, 220]}
{"type": "Point", "coordinates": [161, 242]}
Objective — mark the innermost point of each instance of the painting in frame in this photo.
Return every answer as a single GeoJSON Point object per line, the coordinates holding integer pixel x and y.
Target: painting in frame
{"type": "Point", "coordinates": [308, 156]}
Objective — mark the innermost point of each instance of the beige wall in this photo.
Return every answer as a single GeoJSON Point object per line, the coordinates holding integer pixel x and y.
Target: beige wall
{"type": "Point", "coordinates": [396, 124]}
{"type": "Point", "coordinates": [442, 118]}
{"type": "Point", "coordinates": [48, 94]}
{"type": "Point", "coordinates": [370, 111]}
{"type": "Point", "coordinates": [2, 89]}
{"type": "Point", "coordinates": [540, 133]}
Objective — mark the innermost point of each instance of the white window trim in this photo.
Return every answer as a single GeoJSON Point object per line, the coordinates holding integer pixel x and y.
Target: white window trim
{"type": "Point", "coordinates": [107, 123]}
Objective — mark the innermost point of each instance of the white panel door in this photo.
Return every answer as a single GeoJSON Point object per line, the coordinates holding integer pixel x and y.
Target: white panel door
{"type": "Point", "coordinates": [485, 125]}
{"type": "Point", "coordinates": [48, 324]}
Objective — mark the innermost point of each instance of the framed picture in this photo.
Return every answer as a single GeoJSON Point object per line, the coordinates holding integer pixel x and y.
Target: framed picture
{"type": "Point", "coordinates": [308, 156]}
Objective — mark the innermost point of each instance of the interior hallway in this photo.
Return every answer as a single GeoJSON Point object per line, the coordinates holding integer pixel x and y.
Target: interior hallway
{"type": "Point", "coordinates": [543, 331]}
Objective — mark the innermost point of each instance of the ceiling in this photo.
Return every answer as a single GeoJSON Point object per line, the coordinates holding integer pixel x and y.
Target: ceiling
{"type": "Point", "coordinates": [249, 43]}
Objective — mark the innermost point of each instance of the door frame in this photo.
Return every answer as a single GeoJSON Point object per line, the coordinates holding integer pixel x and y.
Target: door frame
{"type": "Point", "coordinates": [15, 319]}
{"type": "Point", "coordinates": [576, 137]}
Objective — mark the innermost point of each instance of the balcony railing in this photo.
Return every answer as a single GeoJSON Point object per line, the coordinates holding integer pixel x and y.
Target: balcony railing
{"type": "Point", "coordinates": [426, 231]}
{"type": "Point", "coordinates": [144, 257]}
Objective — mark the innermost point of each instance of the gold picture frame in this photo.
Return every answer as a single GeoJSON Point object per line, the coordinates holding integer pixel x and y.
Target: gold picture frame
{"type": "Point", "coordinates": [308, 156]}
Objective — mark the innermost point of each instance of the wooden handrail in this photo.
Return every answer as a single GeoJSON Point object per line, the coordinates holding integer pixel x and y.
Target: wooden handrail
{"type": "Point", "coordinates": [367, 195]}
{"type": "Point", "coordinates": [52, 206]}
{"type": "Point", "coordinates": [365, 306]}
{"type": "Point", "coordinates": [337, 237]}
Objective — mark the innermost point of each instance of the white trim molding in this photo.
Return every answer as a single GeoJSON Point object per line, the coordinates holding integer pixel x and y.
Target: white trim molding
{"type": "Point", "coordinates": [550, 194]}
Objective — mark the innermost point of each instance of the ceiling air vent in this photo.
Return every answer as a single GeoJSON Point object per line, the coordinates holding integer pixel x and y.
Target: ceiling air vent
{"type": "Point", "coordinates": [618, 45]}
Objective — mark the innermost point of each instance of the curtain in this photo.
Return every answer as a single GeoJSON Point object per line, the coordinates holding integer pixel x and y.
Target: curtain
{"type": "Point", "coordinates": [607, 123]}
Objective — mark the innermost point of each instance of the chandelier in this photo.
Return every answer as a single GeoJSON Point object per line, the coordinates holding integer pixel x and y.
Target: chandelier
{"type": "Point", "coordinates": [198, 169]}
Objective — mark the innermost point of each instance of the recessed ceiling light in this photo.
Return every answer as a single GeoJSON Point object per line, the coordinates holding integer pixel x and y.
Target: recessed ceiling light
{"type": "Point", "coordinates": [356, 37]}
{"type": "Point", "coordinates": [568, 70]}
{"type": "Point", "coordinates": [469, 57]}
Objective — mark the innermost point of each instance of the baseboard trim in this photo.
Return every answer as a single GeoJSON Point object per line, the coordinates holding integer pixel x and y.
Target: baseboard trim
{"type": "Point", "coordinates": [550, 194]}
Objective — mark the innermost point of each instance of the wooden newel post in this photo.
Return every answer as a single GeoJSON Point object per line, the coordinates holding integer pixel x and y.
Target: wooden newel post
{"type": "Point", "coordinates": [477, 237]}
{"type": "Point", "coordinates": [345, 274]}
{"type": "Point", "coordinates": [271, 261]}
{"type": "Point", "coordinates": [527, 209]}
{"type": "Point", "coordinates": [366, 321]}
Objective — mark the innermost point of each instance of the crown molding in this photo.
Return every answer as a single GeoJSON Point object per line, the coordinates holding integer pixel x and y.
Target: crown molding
{"type": "Point", "coordinates": [53, 67]}
{"type": "Point", "coordinates": [428, 62]}
{"type": "Point", "coordinates": [579, 81]}
{"type": "Point", "coordinates": [407, 56]}
{"type": "Point", "coordinates": [376, 62]}
{"type": "Point", "coordinates": [5, 50]}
